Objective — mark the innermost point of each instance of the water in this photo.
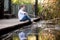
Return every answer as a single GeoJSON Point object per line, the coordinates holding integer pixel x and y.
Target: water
{"type": "Point", "coordinates": [45, 30]}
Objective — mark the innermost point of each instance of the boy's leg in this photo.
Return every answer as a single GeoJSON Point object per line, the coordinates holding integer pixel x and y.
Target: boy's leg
{"type": "Point", "coordinates": [26, 18]}
{"type": "Point", "coordinates": [23, 19]}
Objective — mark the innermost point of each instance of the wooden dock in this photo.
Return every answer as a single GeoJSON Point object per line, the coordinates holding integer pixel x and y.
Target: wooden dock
{"type": "Point", "coordinates": [8, 25]}
{"type": "Point", "coordinates": [11, 22]}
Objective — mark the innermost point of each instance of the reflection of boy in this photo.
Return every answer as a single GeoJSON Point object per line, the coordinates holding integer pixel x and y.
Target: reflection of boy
{"type": "Point", "coordinates": [22, 36]}
{"type": "Point", "coordinates": [22, 15]}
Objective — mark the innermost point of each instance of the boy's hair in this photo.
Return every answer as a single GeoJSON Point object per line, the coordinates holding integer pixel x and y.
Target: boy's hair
{"type": "Point", "coordinates": [22, 6]}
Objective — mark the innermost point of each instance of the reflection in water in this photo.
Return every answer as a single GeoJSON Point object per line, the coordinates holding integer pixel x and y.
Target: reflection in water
{"type": "Point", "coordinates": [31, 37]}
{"type": "Point", "coordinates": [46, 30]}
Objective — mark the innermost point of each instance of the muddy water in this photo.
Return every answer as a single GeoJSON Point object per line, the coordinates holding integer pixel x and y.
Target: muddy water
{"type": "Point", "coordinates": [45, 30]}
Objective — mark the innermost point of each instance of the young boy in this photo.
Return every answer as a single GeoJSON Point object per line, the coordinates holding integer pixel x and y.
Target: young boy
{"type": "Point", "coordinates": [22, 15]}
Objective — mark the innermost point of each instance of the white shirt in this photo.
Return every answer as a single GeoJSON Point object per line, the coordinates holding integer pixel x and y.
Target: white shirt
{"type": "Point", "coordinates": [22, 36]}
{"type": "Point", "coordinates": [21, 14]}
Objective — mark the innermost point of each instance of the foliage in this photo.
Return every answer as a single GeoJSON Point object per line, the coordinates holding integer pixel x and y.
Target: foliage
{"type": "Point", "coordinates": [51, 11]}
{"type": "Point", "coordinates": [40, 9]}
{"type": "Point", "coordinates": [22, 1]}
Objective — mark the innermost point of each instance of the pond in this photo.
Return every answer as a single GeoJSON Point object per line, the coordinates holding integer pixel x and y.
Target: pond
{"type": "Point", "coordinates": [42, 30]}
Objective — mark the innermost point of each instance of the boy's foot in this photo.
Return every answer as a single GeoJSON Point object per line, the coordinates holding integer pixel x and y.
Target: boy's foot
{"type": "Point", "coordinates": [33, 22]}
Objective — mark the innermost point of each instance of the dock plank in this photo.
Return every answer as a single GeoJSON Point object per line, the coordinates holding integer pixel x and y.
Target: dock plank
{"type": "Point", "coordinates": [11, 22]}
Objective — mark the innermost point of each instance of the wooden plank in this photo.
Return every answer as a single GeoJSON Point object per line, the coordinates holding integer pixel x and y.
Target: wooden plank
{"type": "Point", "coordinates": [11, 22]}
{"type": "Point", "coordinates": [9, 25]}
